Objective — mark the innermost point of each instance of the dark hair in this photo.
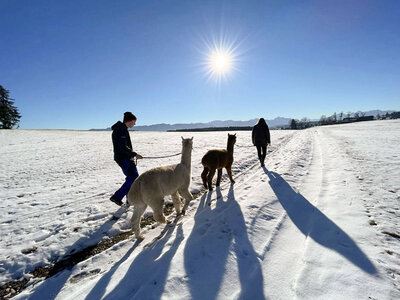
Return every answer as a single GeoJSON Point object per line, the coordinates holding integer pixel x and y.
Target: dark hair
{"type": "Point", "coordinates": [128, 116]}
{"type": "Point", "coordinates": [261, 122]}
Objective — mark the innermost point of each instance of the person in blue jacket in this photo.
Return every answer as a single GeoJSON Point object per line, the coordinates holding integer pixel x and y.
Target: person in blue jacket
{"type": "Point", "coordinates": [124, 155]}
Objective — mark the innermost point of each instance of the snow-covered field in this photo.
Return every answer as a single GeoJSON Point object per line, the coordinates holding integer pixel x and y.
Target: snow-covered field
{"type": "Point", "coordinates": [321, 221]}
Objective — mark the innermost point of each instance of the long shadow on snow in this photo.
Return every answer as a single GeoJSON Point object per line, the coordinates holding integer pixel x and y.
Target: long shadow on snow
{"type": "Point", "coordinates": [313, 223]}
{"type": "Point", "coordinates": [219, 236]}
{"type": "Point", "coordinates": [147, 275]}
{"type": "Point", "coordinates": [99, 289]}
{"type": "Point", "coordinates": [50, 288]}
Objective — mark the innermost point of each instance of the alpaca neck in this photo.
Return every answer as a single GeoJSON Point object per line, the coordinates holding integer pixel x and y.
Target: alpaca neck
{"type": "Point", "coordinates": [186, 158]}
{"type": "Point", "coordinates": [230, 148]}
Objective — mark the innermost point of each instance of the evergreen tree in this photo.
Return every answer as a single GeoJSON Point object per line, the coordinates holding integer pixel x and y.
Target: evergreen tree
{"type": "Point", "coordinates": [9, 115]}
{"type": "Point", "coordinates": [293, 124]}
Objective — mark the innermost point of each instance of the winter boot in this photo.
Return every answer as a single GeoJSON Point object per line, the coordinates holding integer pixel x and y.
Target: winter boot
{"type": "Point", "coordinates": [116, 200]}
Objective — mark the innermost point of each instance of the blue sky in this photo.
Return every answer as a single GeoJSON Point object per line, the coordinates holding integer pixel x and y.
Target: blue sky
{"type": "Point", "coordinates": [81, 64]}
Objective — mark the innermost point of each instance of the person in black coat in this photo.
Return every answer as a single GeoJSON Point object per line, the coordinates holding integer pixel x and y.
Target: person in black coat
{"type": "Point", "coordinates": [123, 154]}
{"type": "Point", "coordinates": [261, 139]}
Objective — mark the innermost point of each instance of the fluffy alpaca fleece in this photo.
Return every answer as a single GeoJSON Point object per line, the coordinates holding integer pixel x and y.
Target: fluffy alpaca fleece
{"type": "Point", "coordinates": [150, 188]}
{"type": "Point", "coordinates": [218, 159]}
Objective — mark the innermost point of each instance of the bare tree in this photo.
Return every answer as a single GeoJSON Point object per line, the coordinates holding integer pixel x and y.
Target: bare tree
{"type": "Point", "coordinates": [305, 123]}
{"type": "Point", "coordinates": [322, 120]}
{"type": "Point", "coordinates": [334, 118]}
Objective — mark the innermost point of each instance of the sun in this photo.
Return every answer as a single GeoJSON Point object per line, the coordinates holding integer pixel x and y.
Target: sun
{"type": "Point", "coordinates": [221, 55]}
{"type": "Point", "coordinates": [220, 62]}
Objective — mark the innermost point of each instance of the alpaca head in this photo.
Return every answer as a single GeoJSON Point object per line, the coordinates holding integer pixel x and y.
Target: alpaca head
{"type": "Point", "coordinates": [231, 139]}
{"type": "Point", "coordinates": [187, 144]}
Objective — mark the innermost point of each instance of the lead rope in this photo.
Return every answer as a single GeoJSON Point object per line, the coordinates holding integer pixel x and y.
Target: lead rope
{"type": "Point", "coordinates": [155, 157]}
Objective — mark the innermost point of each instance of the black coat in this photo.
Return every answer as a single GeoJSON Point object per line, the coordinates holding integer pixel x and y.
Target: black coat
{"type": "Point", "coordinates": [121, 143]}
{"type": "Point", "coordinates": [260, 135]}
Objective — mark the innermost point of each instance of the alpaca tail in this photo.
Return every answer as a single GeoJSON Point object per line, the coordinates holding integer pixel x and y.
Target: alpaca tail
{"type": "Point", "coordinates": [134, 193]}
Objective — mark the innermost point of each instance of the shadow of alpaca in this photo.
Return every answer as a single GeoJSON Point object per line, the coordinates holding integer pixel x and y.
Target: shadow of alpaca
{"type": "Point", "coordinates": [50, 288]}
{"type": "Point", "coordinates": [99, 289]}
{"type": "Point", "coordinates": [147, 275]}
{"type": "Point", "coordinates": [220, 235]}
{"type": "Point", "coordinates": [313, 223]}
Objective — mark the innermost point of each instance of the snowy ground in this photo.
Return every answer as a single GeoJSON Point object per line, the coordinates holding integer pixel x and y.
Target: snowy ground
{"type": "Point", "coordinates": [321, 221]}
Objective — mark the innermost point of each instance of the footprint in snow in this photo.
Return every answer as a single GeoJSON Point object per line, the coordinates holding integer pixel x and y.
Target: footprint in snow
{"type": "Point", "coordinates": [78, 277]}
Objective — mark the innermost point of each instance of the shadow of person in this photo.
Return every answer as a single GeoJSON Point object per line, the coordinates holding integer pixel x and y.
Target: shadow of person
{"type": "Point", "coordinates": [218, 239]}
{"type": "Point", "coordinates": [50, 288]}
{"type": "Point", "coordinates": [147, 275]}
{"type": "Point", "coordinates": [313, 223]}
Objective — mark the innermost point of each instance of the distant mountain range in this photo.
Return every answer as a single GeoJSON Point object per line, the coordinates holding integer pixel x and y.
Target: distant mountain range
{"type": "Point", "coordinates": [229, 123]}
{"type": "Point", "coordinates": [274, 123]}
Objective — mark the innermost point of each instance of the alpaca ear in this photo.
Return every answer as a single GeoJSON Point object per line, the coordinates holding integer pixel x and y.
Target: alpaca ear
{"type": "Point", "coordinates": [182, 138]}
{"type": "Point", "coordinates": [192, 138]}
{"type": "Point", "coordinates": [235, 134]}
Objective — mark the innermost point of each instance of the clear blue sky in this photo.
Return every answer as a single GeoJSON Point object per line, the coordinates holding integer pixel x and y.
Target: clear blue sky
{"type": "Point", "coordinates": [81, 64]}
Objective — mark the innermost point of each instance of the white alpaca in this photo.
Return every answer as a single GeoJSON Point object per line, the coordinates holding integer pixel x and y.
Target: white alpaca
{"type": "Point", "coordinates": [150, 188]}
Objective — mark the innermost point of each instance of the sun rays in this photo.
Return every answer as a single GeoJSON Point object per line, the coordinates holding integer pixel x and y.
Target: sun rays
{"type": "Point", "coordinates": [220, 59]}
{"type": "Point", "coordinates": [220, 62]}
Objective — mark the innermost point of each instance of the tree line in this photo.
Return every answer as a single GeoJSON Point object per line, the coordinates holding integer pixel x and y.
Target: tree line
{"type": "Point", "coordinates": [339, 118]}
{"type": "Point", "coordinates": [229, 128]}
{"type": "Point", "coordinates": [10, 116]}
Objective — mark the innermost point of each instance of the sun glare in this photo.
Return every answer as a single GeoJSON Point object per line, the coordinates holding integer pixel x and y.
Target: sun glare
{"type": "Point", "coordinates": [220, 58]}
{"type": "Point", "coordinates": [220, 62]}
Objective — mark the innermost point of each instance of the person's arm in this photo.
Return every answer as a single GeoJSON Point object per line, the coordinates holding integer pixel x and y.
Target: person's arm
{"type": "Point", "coordinates": [121, 144]}
{"type": "Point", "coordinates": [253, 135]}
{"type": "Point", "coordinates": [267, 135]}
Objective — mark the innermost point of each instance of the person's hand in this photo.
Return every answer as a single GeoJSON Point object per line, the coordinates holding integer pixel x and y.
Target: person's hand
{"type": "Point", "coordinates": [138, 156]}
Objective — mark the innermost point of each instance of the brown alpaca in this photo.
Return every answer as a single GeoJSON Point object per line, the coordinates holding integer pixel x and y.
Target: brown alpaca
{"type": "Point", "coordinates": [216, 160]}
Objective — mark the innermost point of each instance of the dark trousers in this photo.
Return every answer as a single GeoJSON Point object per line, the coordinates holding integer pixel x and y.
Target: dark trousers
{"type": "Point", "coordinates": [262, 152]}
{"type": "Point", "coordinates": [131, 173]}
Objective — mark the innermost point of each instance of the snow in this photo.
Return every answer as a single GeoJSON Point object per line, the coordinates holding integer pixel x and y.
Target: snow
{"type": "Point", "coordinates": [319, 222]}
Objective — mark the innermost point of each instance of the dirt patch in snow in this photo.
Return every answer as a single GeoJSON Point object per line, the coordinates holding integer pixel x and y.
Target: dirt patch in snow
{"type": "Point", "coordinates": [14, 287]}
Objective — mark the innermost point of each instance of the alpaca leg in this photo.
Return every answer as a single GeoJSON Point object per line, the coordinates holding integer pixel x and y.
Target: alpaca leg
{"type": "Point", "coordinates": [177, 202]}
{"type": "Point", "coordinates": [204, 176]}
{"type": "Point", "coordinates": [210, 178]}
{"type": "Point", "coordinates": [219, 177]}
{"type": "Point", "coordinates": [188, 197]}
{"type": "Point", "coordinates": [157, 205]}
{"type": "Point", "coordinates": [229, 170]}
{"type": "Point", "coordinates": [138, 211]}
